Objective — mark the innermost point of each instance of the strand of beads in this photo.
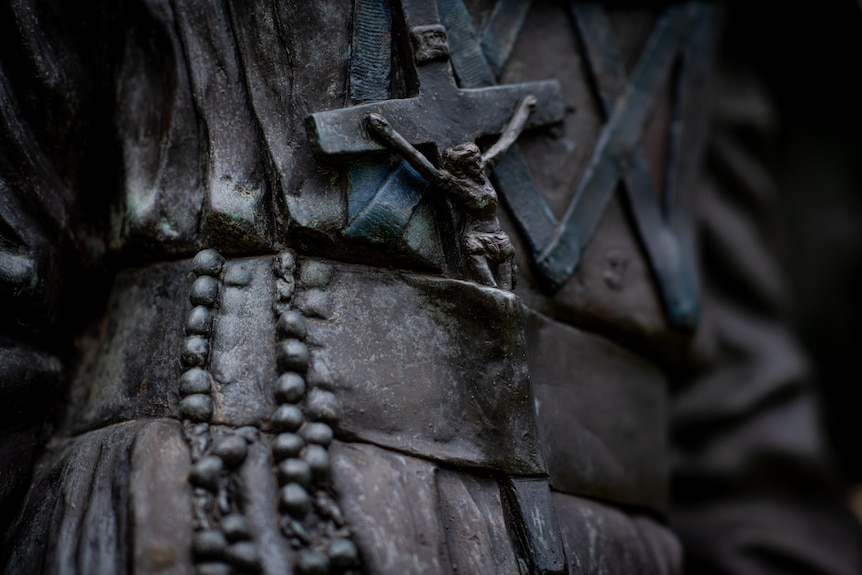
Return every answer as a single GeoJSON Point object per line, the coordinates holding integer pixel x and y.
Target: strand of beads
{"type": "Point", "coordinates": [220, 543]}
{"type": "Point", "coordinates": [312, 520]}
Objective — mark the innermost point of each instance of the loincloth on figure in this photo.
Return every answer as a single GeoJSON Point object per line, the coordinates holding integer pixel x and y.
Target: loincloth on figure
{"type": "Point", "coordinates": [495, 246]}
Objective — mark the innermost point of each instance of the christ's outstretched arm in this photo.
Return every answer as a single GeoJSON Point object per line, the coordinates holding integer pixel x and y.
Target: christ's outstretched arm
{"type": "Point", "coordinates": [383, 130]}
{"type": "Point", "coordinates": [525, 107]}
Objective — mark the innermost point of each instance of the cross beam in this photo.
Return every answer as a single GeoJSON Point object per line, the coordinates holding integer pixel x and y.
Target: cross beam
{"type": "Point", "coordinates": [442, 113]}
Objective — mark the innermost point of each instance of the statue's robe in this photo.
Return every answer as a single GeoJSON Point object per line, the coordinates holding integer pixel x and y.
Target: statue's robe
{"type": "Point", "coordinates": [134, 135]}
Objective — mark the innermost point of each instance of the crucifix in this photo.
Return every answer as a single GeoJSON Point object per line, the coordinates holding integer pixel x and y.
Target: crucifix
{"type": "Point", "coordinates": [464, 175]}
{"type": "Point", "coordinates": [445, 116]}
{"type": "Point", "coordinates": [442, 115]}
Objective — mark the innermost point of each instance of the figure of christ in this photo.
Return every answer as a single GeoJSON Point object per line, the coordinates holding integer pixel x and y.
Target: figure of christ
{"type": "Point", "coordinates": [464, 176]}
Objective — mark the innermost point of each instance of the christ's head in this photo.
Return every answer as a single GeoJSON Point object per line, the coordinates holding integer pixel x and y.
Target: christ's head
{"type": "Point", "coordinates": [464, 160]}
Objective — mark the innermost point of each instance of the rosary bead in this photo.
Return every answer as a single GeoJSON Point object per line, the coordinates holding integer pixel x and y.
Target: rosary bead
{"type": "Point", "coordinates": [294, 471]}
{"type": "Point", "coordinates": [231, 449]}
{"type": "Point", "coordinates": [295, 500]}
{"type": "Point", "coordinates": [244, 556]}
{"type": "Point", "coordinates": [287, 418]}
{"type": "Point", "coordinates": [204, 291]}
{"type": "Point", "coordinates": [207, 263]}
{"type": "Point", "coordinates": [317, 433]}
{"type": "Point", "coordinates": [235, 527]}
{"type": "Point", "coordinates": [342, 553]}
{"type": "Point", "coordinates": [195, 351]}
{"type": "Point", "coordinates": [292, 355]}
{"type": "Point", "coordinates": [312, 563]}
{"type": "Point", "coordinates": [194, 381]}
{"type": "Point", "coordinates": [209, 544]}
{"type": "Point", "coordinates": [287, 445]}
{"type": "Point", "coordinates": [289, 388]}
{"type": "Point", "coordinates": [200, 321]}
{"type": "Point", "coordinates": [205, 472]}
{"type": "Point", "coordinates": [291, 324]}
{"type": "Point", "coordinates": [318, 461]}
{"type": "Point", "coordinates": [197, 407]}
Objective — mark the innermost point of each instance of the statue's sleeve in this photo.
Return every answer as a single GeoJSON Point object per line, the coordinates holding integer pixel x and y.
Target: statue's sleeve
{"type": "Point", "coordinates": [754, 486]}
{"type": "Point", "coordinates": [43, 114]}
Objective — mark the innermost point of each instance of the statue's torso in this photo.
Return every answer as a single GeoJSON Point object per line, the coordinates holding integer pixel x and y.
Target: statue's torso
{"type": "Point", "coordinates": [212, 108]}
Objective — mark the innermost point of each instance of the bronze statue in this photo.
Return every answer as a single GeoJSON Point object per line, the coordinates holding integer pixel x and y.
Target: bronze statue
{"type": "Point", "coordinates": [244, 332]}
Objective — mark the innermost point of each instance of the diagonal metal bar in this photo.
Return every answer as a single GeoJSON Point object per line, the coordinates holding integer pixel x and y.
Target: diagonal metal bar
{"type": "Point", "coordinates": [618, 155]}
{"type": "Point", "coordinates": [501, 31]}
{"type": "Point", "coordinates": [688, 131]}
{"type": "Point", "coordinates": [667, 248]}
{"type": "Point", "coordinates": [676, 277]}
{"type": "Point", "coordinates": [663, 248]}
{"type": "Point", "coordinates": [468, 60]}
{"type": "Point", "coordinates": [513, 180]}
{"type": "Point", "coordinates": [512, 177]}
{"type": "Point", "coordinates": [620, 137]}
{"type": "Point", "coordinates": [603, 59]}
{"type": "Point", "coordinates": [688, 121]}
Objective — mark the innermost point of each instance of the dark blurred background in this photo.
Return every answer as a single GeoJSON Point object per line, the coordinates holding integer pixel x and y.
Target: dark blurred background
{"type": "Point", "coordinates": [808, 57]}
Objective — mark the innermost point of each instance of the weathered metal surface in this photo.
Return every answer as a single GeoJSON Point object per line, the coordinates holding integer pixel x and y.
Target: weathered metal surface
{"type": "Point", "coordinates": [121, 379]}
{"type": "Point", "coordinates": [278, 414]}
{"type": "Point", "coordinates": [486, 248]}
{"type": "Point", "coordinates": [371, 51]}
{"type": "Point", "coordinates": [29, 380]}
{"type": "Point", "coordinates": [385, 216]}
{"type": "Point", "coordinates": [622, 133]}
{"type": "Point", "coordinates": [594, 531]}
{"type": "Point", "coordinates": [578, 380]}
{"type": "Point", "coordinates": [511, 177]}
{"type": "Point", "coordinates": [383, 200]}
{"type": "Point", "coordinates": [420, 517]}
{"type": "Point", "coordinates": [237, 209]}
{"type": "Point", "coordinates": [534, 520]}
{"type": "Point", "coordinates": [480, 112]}
{"type": "Point", "coordinates": [501, 31]}
{"type": "Point", "coordinates": [144, 464]}
{"type": "Point", "coordinates": [396, 385]}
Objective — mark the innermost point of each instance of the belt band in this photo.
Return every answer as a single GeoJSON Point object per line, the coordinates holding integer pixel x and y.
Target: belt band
{"type": "Point", "coordinates": [424, 365]}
